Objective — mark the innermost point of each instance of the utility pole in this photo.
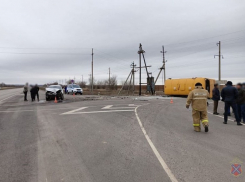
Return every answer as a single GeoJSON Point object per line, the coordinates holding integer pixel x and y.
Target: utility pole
{"type": "Point", "coordinates": [109, 76]}
{"type": "Point", "coordinates": [82, 78]}
{"type": "Point", "coordinates": [133, 71]}
{"type": "Point", "coordinates": [125, 82]}
{"type": "Point", "coordinates": [92, 79]}
{"type": "Point", "coordinates": [139, 52]}
{"type": "Point", "coordinates": [163, 66]}
{"type": "Point", "coordinates": [219, 61]}
{"type": "Point", "coordinates": [219, 44]}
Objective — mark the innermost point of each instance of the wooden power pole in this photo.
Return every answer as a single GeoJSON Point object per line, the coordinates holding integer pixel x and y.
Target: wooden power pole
{"type": "Point", "coordinates": [109, 76]}
{"type": "Point", "coordinates": [92, 78]}
{"type": "Point", "coordinates": [219, 44]}
{"type": "Point", "coordinates": [133, 75]}
{"type": "Point", "coordinates": [163, 66]}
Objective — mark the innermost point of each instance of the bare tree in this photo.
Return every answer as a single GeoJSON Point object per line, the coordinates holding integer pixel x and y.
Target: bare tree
{"type": "Point", "coordinates": [82, 84]}
{"type": "Point", "coordinates": [69, 81]}
{"type": "Point", "coordinates": [113, 82]}
{"type": "Point", "coordinates": [90, 82]}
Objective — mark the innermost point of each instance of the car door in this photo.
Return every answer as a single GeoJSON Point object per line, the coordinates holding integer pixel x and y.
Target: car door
{"type": "Point", "coordinates": [69, 88]}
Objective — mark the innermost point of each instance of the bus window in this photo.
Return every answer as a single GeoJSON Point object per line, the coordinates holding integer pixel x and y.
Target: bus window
{"type": "Point", "coordinates": [207, 85]}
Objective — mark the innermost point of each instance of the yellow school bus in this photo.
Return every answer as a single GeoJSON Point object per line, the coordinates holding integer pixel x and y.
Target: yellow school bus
{"type": "Point", "coordinates": [183, 86]}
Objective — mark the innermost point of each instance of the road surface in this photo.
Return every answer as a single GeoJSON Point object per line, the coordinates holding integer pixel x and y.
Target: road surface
{"type": "Point", "coordinates": [113, 139]}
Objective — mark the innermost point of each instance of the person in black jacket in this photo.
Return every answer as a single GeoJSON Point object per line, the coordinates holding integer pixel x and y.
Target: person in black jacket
{"type": "Point", "coordinates": [216, 98]}
{"type": "Point", "coordinates": [241, 102]}
{"type": "Point", "coordinates": [229, 95]}
{"type": "Point", "coordinates": [36, 92]}
{"type": "Point", "coordinates": [32, 91]}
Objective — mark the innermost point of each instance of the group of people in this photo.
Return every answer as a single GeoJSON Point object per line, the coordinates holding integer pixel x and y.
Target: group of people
{"type": "Point", "coordinates": [233, 97]}
{"type": "Point", "coordinates": [34, 91]}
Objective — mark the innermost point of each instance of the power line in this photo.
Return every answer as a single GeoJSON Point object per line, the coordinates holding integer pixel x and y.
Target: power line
{"type": "Point", "coordinates": [207, 38]}
{"type": "Point", "coordinates": [41, 48]}
{"type": "Point", "coordinates": [42, 53]}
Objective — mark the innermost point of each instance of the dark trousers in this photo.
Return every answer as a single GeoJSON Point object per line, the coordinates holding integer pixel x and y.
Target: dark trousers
{"type": "Point", "coordinates": [37, 96]}
{"type": "Point", "coordinates": [216, 103]}
{"type": "Point", "coordinates": [32, 96]}
{"type": "Point", "coordinates": [234, 108]}
{"type": "Point", "coordinates": [25, 95]}
{"type": "Point", "coordinates": [241, 111]}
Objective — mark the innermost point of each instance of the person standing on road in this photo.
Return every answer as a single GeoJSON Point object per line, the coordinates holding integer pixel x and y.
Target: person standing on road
{"type": "Point", "coordinates": [36, 92]}
{"type": "Point", "coordinates": [25, 90]}
{"type": "Point", "coordinates": [241, 102]}
{"type": "Point", "coordinates": [216, 98]}
{"type": "Point", "coordinates": [198, 99]}
{"type": "Point", "coordinates": [229, 95]}
{"type": "Point", "coordinates": [66, 89]}
{"type": "Point", "coordinates": [32, 91]}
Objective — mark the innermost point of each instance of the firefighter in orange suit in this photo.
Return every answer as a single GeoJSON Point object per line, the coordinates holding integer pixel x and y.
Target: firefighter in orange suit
{"type": "Point", "coordinates": [198, 100]}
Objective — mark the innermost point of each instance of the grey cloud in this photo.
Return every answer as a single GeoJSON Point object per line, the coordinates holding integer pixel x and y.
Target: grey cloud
{"type": "Point", "coordinates": [189, 30]}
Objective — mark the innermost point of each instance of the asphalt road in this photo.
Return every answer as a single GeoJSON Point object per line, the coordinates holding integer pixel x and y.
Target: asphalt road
{"type": "Point", "coordinates": [113, 139]}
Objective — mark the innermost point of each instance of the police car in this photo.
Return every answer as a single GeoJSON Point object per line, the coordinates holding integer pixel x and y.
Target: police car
{"type": "Point", "coordinates": [74, 89]}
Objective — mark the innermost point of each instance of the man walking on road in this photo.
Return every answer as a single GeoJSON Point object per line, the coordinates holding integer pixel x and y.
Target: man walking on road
{"type": "Point", "coordinates": [229, 95]}
{"type": "Point", "coordinates": [25, 90]}
{"type": "Point", "coordinates": [241, 102]}
{"type": "Point", "coordinates": [216, 98]}
{"type": "Point", "coordinates": [198, 99]}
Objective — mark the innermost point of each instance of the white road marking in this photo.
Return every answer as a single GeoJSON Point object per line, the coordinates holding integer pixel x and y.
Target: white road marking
{"type": "Point", "coordinates": [120, 108]}
{"type": "Point", "coordinates": [107, 107]}
{"type": "Point", "coordinates": [160, 159]}
{"type": "Point", "coordinates": [94, 112]}
{"type": "Point", "coordinates": [18, 111]}
{"type": "Point", "coordinates": [131, 106]}
{"type": "Point", "coordinates": [223, 117]}
{"type": "Point", "coordinates": [8, 97]}
{"type": "Point", "coordinates": [73, 111]}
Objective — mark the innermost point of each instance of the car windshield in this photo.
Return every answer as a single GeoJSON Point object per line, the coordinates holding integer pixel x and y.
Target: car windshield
{"type": "Point", "coordinates": [76, 86]}
{"type": "Point", "coordinates": [55, 86]}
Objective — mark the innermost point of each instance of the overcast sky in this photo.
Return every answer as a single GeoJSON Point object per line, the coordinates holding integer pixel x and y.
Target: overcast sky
{"type": "Point", "coordinates": [51, 40]}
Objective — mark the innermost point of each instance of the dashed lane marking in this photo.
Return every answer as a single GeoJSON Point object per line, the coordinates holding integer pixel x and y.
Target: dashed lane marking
{"type": "Point", "coordinates": [160, 159]}
{"type": "Point", "coordinates": [17, 111]}
{"type": "Point", "coordinates": [223, 117]}
{"type": "Point", "coordinates": [74, 111]}
{"type": "Point", "coordinates": [94, 112]}
{"type": "Point", "coordinates": [8, 97]}
{"type": "Point", "coordinates": [107, 107]}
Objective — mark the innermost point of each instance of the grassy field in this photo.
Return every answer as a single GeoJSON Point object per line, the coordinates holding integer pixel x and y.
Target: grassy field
{"type": "Point", "coordinates": [5, 88]}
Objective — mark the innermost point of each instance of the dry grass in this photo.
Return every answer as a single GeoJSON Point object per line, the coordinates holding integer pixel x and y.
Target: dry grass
{"type": "Point", "coordinates": [5, 88]}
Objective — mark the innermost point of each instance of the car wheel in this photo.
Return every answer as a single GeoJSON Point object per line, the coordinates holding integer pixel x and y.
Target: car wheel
{"type": "Point", "coordinates": [62, 97]}
{"type": "Point", "coordinates": [81, 93]}
{"type": "Point", "coordinates": [47, 98]}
